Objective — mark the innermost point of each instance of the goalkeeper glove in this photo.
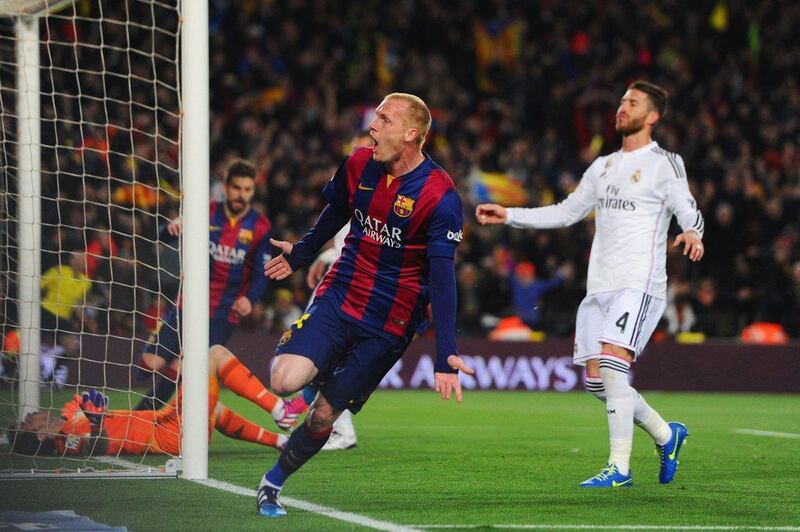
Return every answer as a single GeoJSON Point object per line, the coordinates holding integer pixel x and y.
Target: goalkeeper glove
{"type": "Point", "coordinates": [94, 404]}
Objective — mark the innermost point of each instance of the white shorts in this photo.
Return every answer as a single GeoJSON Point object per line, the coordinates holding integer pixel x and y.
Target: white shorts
{"type": "Point", "coordinates": [625, 318]}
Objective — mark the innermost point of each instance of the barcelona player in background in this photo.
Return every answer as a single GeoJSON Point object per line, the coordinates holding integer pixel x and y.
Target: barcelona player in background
{"type": "Point", "coordinates": [238, 246]}
{"type": "Point", "coordinates": [405, 223]}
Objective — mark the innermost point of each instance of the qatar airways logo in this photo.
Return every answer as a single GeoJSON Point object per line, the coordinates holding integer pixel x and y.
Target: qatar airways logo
{"type": "Point", "coordinates": [379, 231]}
{"type": "Point", "coordinates": [226, 254]}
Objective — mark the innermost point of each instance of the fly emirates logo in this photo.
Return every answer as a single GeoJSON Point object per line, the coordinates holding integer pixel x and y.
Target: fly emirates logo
{"type": "Point", "coordinates": [379, 231]}
{"type": "Point", "coordinates": [226, 254]}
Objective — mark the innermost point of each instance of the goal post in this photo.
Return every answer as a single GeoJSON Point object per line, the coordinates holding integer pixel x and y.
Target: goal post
{"type": "Point", "coordinates": [195, 172]}
{"type": "Point", "coordinates": [29, 211]}
{"type": "Point", "coordinates": [104, 124]}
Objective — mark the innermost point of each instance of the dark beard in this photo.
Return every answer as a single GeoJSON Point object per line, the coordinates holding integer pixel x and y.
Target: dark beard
{"type": "Point", "coordinates": [632, 128]}
{"type": "Point", "coordinates": [231, 208]}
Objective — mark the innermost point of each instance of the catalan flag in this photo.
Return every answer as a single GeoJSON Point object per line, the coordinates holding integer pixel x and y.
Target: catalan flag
{"type": "Point", "coordinates": [495, 187]}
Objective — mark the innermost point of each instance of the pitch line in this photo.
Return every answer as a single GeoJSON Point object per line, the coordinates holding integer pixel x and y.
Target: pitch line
{"type": "Point", "coordinates": [326, 511]}
{"type": "Point", "coordinates": [612, 527]}
{"type": "Point", "coordinates": [768, 433]}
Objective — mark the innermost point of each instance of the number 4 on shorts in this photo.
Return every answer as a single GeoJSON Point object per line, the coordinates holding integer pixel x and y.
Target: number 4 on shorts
{"type": "Point", "coordinates": [622, 322]}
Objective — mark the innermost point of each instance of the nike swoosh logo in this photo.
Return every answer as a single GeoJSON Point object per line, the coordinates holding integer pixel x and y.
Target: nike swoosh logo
{"type": "Point", "coordinates": [362, 187]}
{"type": "Point", "coordinates": [616, 484]}
{"type": "Point", "coordinates": [674, 450]}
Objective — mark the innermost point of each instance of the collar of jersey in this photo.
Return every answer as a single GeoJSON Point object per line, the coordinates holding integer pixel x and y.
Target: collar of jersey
{"type": "Point", "coordinates": [416, 170]}
{"type": "Point", "coordinates": [649, 146]}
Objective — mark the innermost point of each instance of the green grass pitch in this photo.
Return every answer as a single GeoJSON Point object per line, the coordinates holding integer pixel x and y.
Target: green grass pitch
{"type": "Point", "coordinates": [499, 458]}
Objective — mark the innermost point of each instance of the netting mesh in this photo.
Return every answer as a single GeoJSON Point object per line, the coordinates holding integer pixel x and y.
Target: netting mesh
{"type": "Point", "coordinates": [110, 159]}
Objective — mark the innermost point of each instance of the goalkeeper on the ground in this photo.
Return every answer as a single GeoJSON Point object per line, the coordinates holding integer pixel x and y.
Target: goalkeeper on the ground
{"type": "Point", "coordinates": [85, 425]}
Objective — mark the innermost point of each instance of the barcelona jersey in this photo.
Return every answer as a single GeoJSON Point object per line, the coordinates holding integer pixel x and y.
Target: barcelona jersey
{"type": "Point", "coordinates": [238, 251]}
{"type": "Point", "coordinates": [397, 222]}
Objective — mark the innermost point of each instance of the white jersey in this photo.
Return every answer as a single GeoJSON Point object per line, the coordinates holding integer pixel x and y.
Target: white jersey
{"type": "Point", "coordinates": [634, 195]}
{"type": "Point", "coordinates": [330, 255]}
{"type": "Point", "coordinates": [338, 240]}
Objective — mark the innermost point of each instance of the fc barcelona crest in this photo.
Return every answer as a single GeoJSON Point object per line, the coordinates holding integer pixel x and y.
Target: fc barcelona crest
{"type": "Point", "coordinates": [403, 206]}
{"type": "Point", "coordinates": [245, 236]}
{"type": "Point", "coordinates": [285, 337]}
{"type": "Point", "coordinates": [636, 176]}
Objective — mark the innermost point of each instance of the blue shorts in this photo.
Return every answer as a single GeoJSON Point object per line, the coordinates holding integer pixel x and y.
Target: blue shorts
{"type": "Point", "coordinates": [165, 342]}
{"type": "Point", "coordinates": [351, 358]}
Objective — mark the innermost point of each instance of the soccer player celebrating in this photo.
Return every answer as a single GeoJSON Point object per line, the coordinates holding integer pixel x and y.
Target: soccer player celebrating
{"type": "Point", "coordinates": [87, 427]}
{"type": "Point", "coordinates": [239, 248]}
{"type": "Point", "coordinates": [405, 223]}
{"type": "Point", "coordinates": [634, 192]}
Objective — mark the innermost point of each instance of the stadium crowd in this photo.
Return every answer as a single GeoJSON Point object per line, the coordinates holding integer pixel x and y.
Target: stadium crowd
{"type": "Point", "coordinates": [523, 96]}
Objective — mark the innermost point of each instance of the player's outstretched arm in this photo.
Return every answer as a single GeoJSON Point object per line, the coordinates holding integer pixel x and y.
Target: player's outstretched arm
{"type": "Point", "coordinates": [445, 383]}
{"type": "Point", "coordinates": [491, 213]}
{"type": "Point", "coordinates": [278, 268]}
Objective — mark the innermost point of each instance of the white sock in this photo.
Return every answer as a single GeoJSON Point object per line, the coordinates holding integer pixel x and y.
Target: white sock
{"type": "Point", "coordinates": [652, 423]}
{"type": "Point", "coordinates": [643, 414]}
{"type": "Point", "coordinates": [620, 399]}
{"type": "Point", "coordinates": [620, 454]}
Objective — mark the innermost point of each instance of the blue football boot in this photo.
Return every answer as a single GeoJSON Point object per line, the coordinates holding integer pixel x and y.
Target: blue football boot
{"type": "Point", "coordinates": [609, 477]}
{"type": "Point", "coordinates": [267, 502]}
{"type": "Point", "coordinates": [668, 453]}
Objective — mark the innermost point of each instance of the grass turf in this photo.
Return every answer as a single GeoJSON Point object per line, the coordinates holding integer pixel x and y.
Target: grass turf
{"type": "Point", "coordinates": [498, 458]}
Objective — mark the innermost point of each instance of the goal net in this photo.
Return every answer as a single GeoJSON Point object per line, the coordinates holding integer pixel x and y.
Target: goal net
{"type": "Point", "coordinates": [90, 128]}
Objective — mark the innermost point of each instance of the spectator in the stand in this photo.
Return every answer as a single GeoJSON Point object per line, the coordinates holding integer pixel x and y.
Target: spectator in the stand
{"type": "Point", "coordinates": [281, 315]}
{"type": "Point", "coordinates": [726, 241]}
{"type": "Point", "coordinates": [100, 246]}
{"type": "Point", "coordinates": [712, 317]}
{"type": "Point", "coordinates": [527, 292]}
{"type": "Point", "coordinates": [775, 278]}
{"type": "Point", "coordinates": [65, 291]}
{"type": "Point", "coordinates": [65, 288]}
{"type": "Point", "coordinates": [470, 306]}
{"type": "Point", "coordinates": [679, 315]}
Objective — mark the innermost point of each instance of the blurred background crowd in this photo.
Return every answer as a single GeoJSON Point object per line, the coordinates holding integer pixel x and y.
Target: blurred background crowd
{"type": "Point", "coordinates": [523, 96]}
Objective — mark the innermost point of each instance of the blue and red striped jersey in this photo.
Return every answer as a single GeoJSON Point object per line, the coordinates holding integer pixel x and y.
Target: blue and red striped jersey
{"type": "Point", "coordinates": [381, 277]}
{"type": "Point", "coordinates": [238, 250]}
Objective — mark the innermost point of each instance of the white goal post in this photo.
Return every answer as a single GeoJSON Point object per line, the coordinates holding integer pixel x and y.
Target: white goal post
{"type": "Point", "coordinates": [151, 128]}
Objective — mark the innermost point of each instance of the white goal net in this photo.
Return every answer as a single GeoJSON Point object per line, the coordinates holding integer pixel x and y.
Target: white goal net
{"type": "Point", "coordinates": [90, 129]}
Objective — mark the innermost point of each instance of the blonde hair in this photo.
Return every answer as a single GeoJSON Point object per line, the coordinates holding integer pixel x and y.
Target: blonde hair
{"type": "Point", "coordinates": [418, 114]}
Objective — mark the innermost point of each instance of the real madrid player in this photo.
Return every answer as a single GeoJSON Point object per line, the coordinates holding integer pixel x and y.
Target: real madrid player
{"type": "Point", "coordinates": [405, 223]}
{"type": "Point", "coordinates": [634, 193]}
